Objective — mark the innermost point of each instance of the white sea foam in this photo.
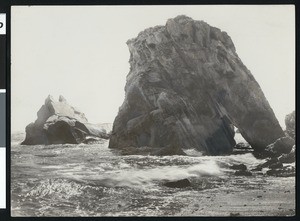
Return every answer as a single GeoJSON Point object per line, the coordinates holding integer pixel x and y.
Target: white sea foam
{"type": "Point", "coordinates": [140, 177]}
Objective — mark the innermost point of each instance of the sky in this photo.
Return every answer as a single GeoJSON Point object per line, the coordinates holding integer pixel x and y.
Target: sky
{"type": "Point", "coordinates": [80, 52]}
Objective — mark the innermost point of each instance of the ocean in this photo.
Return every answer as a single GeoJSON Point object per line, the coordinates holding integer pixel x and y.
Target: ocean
{"type": "Point", "coordinates": [93, 180]}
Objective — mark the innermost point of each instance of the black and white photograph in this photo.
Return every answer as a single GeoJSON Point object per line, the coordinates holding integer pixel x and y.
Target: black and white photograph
{"type": "Point", "coordinates": [161, 110]}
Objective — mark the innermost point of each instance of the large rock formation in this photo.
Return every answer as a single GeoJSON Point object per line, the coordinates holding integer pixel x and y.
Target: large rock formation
{"type": "Point", "coordinates": [60, 123]}
{"type": "Point", "coordinates": [187, 87]}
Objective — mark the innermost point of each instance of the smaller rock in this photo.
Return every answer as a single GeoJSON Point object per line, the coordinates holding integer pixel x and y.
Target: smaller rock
{"type": "Point", "coordinates": [242, 148]}
{"type": "Point", "coordinates": [282, 145]}
{"type": "Point", "coordinates": [242, 145]}
{"type": "Point", "coordinates": [276, 165]}
{"type": "Point", "coordinates": [92, 140]}
{"type": "Point", "coordinates": [242, 167]}
{"type": "Point", "coordinates": [288, 158]}
{"type": "Point", "coordinates": [272, 163]}
{"type": "Point", "coordinates": [269, 162]}
{"type": "Point", "coordinates": [242, 173]}
{"type": "Point", "coordinates": [178, 184]}
{"type": "Point", "coordinates": [287, 171]}
{"type": "Point", "coordinates": [258, 168]}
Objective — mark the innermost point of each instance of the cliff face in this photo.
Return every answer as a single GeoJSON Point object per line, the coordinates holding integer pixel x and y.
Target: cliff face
{"type": "Point", "coordinates": [59, 123]}
{"type": "Point", "coordinates": [187, 87]}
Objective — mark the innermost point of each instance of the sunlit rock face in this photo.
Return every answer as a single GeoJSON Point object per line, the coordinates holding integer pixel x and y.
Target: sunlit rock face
{"type": "Point", "coordinates": [59, 123]}
{"type": "Point", "coordinates": [187, 87]}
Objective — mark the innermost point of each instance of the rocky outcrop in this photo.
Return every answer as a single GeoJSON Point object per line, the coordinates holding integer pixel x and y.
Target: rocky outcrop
{"type": "Point", "coordinates": [60, 123]}
{"type": "Point", "coordinates": [178, 184]}
{"type": "Point", "coordinates": [242, 173]}
{"type": "Point", "coordinates": [281, 146]}
{"type": "Point", "coordinates": [289, 157]}
{"type": "Point", "coordinates": [188, 87]}
{"type": "Point", "coordinates": [276, 161]}
{"type": "Point", "coordinates": [286, 171]}
{"type": "Point", "coordinates": [238, 167]}
{"type": "Point", "coordinates": [290, 124]}
{"type": "Point", "coordinates": [284, 147]}
{"type": "Point", "coordinates": [241, 170]}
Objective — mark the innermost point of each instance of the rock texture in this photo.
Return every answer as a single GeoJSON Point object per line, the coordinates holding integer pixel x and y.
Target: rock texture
{"type": "Point", "coordinates": [282, 145]}
{"type": "Point", "coordinates": [188, 87]}
{"type": "Point", "coordinates": [178, 184]}
{"type": "Point", "coordinates": [60, 123]}
{"type": "Point", "coordinates": [290, 124]}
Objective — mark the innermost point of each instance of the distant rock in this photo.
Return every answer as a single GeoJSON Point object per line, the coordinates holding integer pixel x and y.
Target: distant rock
{"type": "Point", "coordinates": [188, 87]}
{"type": "Point", "coordinates": [242, 146]}
{"type": "Point", "coordinates": [60, 123]}
{"type": "Point", "coordinates": [178, 184]}
{"type": "Point", "coordinates": [107, 127]}
{"type": "Point", "coordinates": [290, 124]}
{"type": "Point", "coordinates": [93, 140]}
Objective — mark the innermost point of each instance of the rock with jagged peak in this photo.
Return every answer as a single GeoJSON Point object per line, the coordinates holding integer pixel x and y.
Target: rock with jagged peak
{"type": "Point", "coordinates": [188, 87]}
{"type": "Point", "coordinates": [59, 123]}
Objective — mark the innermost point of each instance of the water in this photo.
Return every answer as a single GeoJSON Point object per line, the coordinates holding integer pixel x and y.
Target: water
{"type": "Point", "coordinates": [92, 180]}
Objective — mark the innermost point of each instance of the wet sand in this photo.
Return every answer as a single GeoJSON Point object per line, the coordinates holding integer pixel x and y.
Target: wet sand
{"type": "Point", "coordinates": [260, 196]}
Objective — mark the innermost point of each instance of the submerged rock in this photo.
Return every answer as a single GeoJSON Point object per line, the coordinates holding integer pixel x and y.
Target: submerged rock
{"type": "Point", "coordinates": [178, 184]}
{"type": "Point", "coordinates": [290, 124]}
{"type": "Point", "coordinates": [60, 123]}
{"type": "Point", "coordinates": [242, 167]}
{"type": "Point", "coordinates": [188, 87]}
{"type": "Point", "coordinates": [286, 171]}
{"type": "Point", "coordinates": [243, 173]}
{"type": "Point", "coordinates": [241, 170]}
